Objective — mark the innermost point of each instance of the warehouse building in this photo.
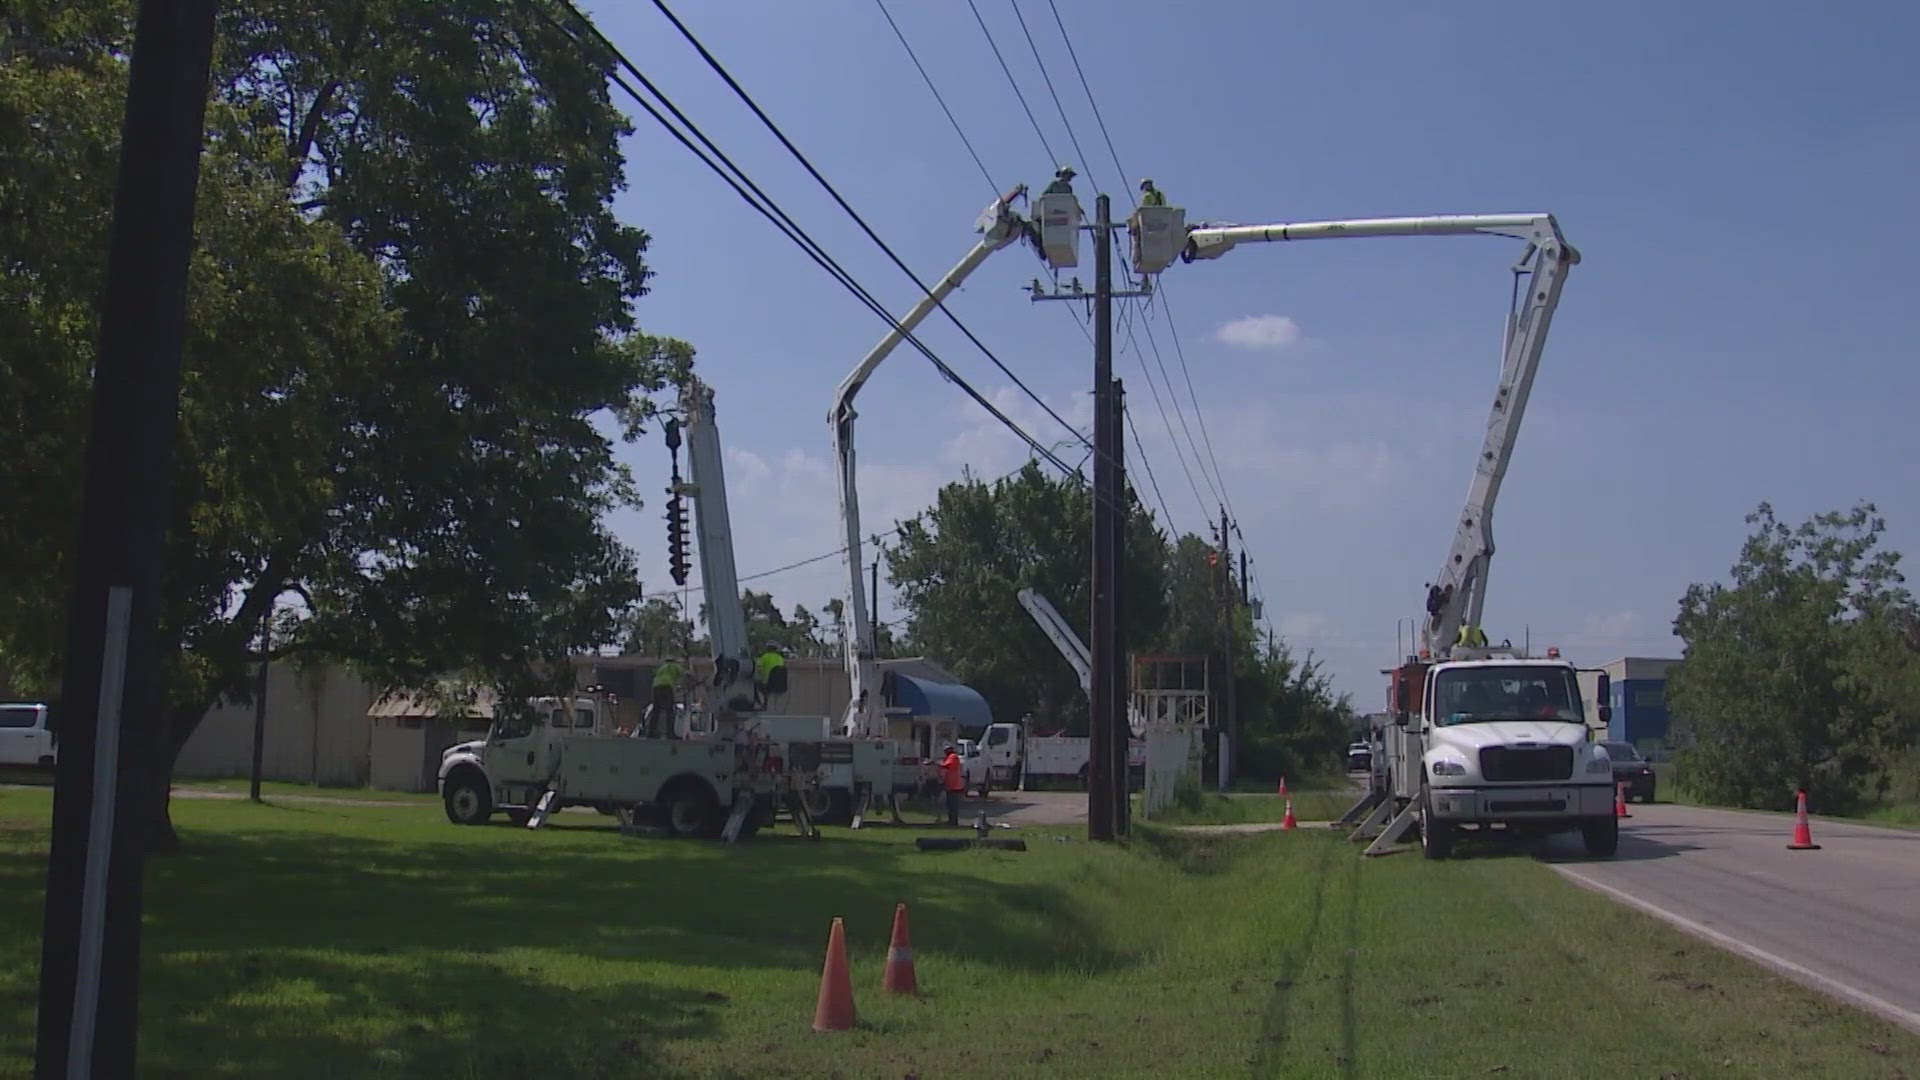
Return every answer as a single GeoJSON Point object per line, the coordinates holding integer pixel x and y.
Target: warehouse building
{"type": "Point", "coordinates": [1639, 700]}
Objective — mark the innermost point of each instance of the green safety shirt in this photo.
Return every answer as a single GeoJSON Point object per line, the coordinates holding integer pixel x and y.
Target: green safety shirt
{"type": "Point", "coordinates": [769, 662]}
{"type": "Point", "coordinates": [668, 675]}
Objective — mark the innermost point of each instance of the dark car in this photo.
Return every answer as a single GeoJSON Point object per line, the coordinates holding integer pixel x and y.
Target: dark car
{"type": "Point", "coordinates": [1631, 769]}
{"type": "Point", "coordinates": [1359, 757]}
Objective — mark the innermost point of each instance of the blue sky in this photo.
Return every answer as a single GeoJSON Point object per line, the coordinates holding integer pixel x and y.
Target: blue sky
{"type": "Point", "coordinates": [1739, 178]}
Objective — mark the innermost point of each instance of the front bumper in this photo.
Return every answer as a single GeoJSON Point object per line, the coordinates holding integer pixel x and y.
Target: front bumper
{"type": "Point", "coordinates": [1639, 785]}
{"type": "Point", "coordinates": [1469, 804]}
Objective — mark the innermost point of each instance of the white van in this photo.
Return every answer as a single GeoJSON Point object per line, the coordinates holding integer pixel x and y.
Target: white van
{"type": "Point", "coordinates": [26, 737]}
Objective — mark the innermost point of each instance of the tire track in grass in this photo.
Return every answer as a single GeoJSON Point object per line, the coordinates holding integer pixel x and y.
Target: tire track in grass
{"type": "Point", "coordinates": [1273, 1026]}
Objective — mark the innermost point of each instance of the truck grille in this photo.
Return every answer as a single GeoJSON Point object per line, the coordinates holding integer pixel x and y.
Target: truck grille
{"type": "Point", "coordinates": [1526, 763]}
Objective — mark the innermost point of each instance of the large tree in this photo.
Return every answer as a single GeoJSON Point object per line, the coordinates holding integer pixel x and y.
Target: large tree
{"type": "Point", "coordinates": [410, 324]}
{"type": "Point", "coordinates": [1799, 672]}
{"type": "Point", "coordinates": [958, 568]}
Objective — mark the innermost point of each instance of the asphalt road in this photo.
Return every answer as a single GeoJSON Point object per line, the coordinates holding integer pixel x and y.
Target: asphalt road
{"type": "Point", "coordinates": [1844, 919]}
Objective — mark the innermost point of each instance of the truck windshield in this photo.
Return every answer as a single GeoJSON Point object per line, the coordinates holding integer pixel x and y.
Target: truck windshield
{"type": "Point", "coordinates": [1507, 692]}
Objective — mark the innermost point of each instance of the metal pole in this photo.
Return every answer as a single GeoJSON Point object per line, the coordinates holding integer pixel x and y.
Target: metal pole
{"type": "Point", "coordinates": [90, 940]}
{"type": "Point", "coordinates": [260, 704]}
{"type": "Point", "coordinates": [1100, 792]}
{"type": "Point", "coordinates": [1225, 585]}
{"type": "Point", "coordinates": [876, 607]}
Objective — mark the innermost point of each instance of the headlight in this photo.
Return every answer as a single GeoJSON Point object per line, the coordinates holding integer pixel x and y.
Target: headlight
{"type": "Point", "coordinates": [1449, 768]}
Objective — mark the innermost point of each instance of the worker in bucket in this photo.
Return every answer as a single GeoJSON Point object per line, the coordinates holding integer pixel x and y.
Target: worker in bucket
{"type": "Point", "coordinates": [666, 688]}
{"type": "Point", "coordinates": [953, 773]}
{"type": "Point", "coordinates": [1062, 182]}
{"type": "Point", "coordinates": [1150, 195]}
{"type": "Point", "coordinates": [769, 674]}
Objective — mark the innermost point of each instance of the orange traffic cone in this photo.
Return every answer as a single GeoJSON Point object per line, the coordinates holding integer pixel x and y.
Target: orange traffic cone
{"type": "Point", "coordinates": [1802, 835]}
{"type": "Point", "coordinates": [1620, 801]}
{"type": "Point", "coordinates": [1283, 785]}
{"type": "Point", "coordinates": [899, 975]}
{"type": "Point", "coordinates": [1288, 822]}
{"type": "Point", "coordinates": [834, 1011]}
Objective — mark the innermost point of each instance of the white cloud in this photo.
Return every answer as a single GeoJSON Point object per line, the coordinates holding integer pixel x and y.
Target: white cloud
{"type": "Point", "coordinates": [1259, 332]}
{"type": "Point", "coordinates": [1612, 628]}
{"type": "Point", "coordinates": [746, 463]}
{"type": "Point", "coordinates": [1303, 626]}
{"type": "Point", "coordinates": [986, 445]}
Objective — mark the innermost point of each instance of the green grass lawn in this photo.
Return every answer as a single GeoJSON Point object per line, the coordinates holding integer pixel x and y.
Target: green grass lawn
{"type": "Point", "coordinates": [304, 940]}
{"type": "Point", "coordinates": [1236, 808]}
{"type": "Point", "coordinates": [269, 789]}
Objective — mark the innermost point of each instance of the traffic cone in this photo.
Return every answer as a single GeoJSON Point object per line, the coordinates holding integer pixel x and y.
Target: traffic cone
{"type": "Point", "coordinates": [1283, 785]}
{"type": "Point", "coordinates": [1620, 801]}
{"type": "Point", "coordinates": [834, 1010]}
{"type": "Point", "coordinates": [899, 975]}
{"type": "Point", "coordinates": [1288, 822]}
{"type": "Point", "coordinates": [1802, 835]}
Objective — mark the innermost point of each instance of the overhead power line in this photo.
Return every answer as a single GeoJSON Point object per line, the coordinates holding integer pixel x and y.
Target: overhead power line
{"type": "Point", "coordinates": [1044, 145]}
{"type": "Point", "coordinates": [1098, 119]}
{"type": "Point", "coordinates": [740, 91]}
{"type": "Point", "coordinates": [1079, 154]}
{"type": "Point", "coordinates": [765, 205]}
{"type": "Point", "coordinates": [936, 96]}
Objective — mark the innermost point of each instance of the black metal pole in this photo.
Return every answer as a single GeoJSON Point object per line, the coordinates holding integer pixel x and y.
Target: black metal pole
{"type": "Point", "coordinates": [1229, 667]}
{"type": "Point", "coordinates": [1118, 749]}
{"type": "Point", "coordinates": [260, 704]}
{"type": "Point", "coordinates": [103, 793]}
{"type": "Point", "coordinates": [1100, 791]}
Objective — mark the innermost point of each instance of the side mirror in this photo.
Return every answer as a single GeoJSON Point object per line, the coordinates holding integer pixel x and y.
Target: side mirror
{"type": "Point", "coordinates": [1606, 714]}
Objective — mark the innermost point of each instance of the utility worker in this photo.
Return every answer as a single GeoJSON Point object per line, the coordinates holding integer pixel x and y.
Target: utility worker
{"type": "Point", "coordinates": [1471, 636]}
{"type": "Point", "coordinates": [666, 687]}
{"type": "Point", "coordinates": [954, 774]}
{"type": "Point", "coordinates": [1062, 182]}
{"type": "Point", "coordinates": [1150, 195]}
{"type": "Point", "coordinates": [769, 674]}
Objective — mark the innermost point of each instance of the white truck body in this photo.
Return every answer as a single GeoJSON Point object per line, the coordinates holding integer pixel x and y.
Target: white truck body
{"type": "Point", "coordinates": [687, 783]}
{"type": "Point", "coordinates": [831, 771]}
{"type": "Point", "coordinates": [1012, 755]}
{"type": "Point", "coordinates": [26, 735]}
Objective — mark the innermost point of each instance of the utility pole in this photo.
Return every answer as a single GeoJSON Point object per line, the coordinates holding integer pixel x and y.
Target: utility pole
{"type": "Point", "coordinates": [1117, 674]}
{"type": "Point", "coordinates": [1107, 729]}
{"type": "Point", "coordinates": [1226, 635]}
{"type": "Point", "coordinates": [104, 793]}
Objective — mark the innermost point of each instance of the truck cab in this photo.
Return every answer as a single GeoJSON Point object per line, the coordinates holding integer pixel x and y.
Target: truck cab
{"type": "Point", "coordinates": [1502, 747]}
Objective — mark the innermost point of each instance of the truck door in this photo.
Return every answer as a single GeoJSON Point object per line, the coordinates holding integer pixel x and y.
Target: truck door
{"type": "Point", "coordinates": [526, 750]}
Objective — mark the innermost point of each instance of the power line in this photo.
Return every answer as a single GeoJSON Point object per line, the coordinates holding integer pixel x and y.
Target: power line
{"type": "Point", "coordinates": [1013, 83]}
{"type": "Point", "coordinates": [1181, 415]}
{"type": "Point", "coordinates": [936, 96]}
{"type": "Point", "coordinates": [1048, 79]}
{"type": "Point", "coordinates": [1174, 333]}
{"type": "Point", "coordinates": [1141, 449]}
{"type": "Point", "coordinates": [780, 219]}
{"type": "Point", "coordinates": [1068, 38]}
{"type": "Point", "coordinates": [740, 91]}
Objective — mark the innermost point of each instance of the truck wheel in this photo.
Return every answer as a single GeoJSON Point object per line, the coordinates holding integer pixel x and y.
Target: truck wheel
{"type": "Point", "coordinates": [839, 807]}
{"type": "Point", "coordinates": [1436, 836]}
{"type": "Point", "coordinates": [986, 786]}
{"type": "Point", "coordinates": [692, 810]}
{"type": "Point", "coordinates": [468, 800]}
{"type": "Point", "coordinates": [758, 818]}
{"type": "Point", "coordinates": [1086, 777]}
{"type": "Point", "coordinates": [1601, 836]}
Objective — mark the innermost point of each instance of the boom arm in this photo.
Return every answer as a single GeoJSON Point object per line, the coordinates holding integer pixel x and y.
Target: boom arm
{"type": "Point", "coordinates": [726, 620]}
{"type": "Point", "coordinates": [999, 226]}
{"type": "Point", "coordinates": [1457, 596]}
{"type": "Point", "coordinates": [1061, 634]}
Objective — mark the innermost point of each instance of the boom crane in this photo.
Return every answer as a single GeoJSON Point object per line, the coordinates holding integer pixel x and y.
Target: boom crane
{"type": "Point", "coordinates": [998, 226]}
{"type": "Point", "coordinates": [732, 689]}
{"type": "Point", "coordinates": [1072, 649]}
{"type": "Point", "coordinates": [1456, 596]}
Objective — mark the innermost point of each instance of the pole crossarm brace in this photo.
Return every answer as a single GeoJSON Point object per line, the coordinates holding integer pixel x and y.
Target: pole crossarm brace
{"type": "Point", "coordinates": [999, 226]}
{"type": "Point", "coordinates": [1457, 595]}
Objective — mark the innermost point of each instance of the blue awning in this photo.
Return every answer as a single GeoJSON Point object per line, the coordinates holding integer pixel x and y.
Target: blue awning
{"type": "Point", "coordinates": [924, 697]}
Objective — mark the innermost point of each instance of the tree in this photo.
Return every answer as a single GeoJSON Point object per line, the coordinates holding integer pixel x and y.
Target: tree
{"type": "Point", "coordinates": [1799, 673]}
{"type": "Point", "coordinates": [655, 627]}
{"type": "Point", "coordinates": [409, 309]}
{"type": "Point", "coordinates": [959, 566]}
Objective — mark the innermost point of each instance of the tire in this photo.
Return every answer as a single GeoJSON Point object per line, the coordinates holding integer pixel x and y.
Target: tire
{"type": "Point", "coordinates": [818, 802]}
{"type": "Point", "coordinates": [839, 807]}
{"type": "Point", "coordinates": [758, 818]}
{"type": "Point", "coordinates": [468, 799]}
{"type": "Point", "coordinates": [1601, 836]}
{"type": "Point", "coordinates": [1436, 836]}
{"type": "Point", "coordinates": [986, 786]}
{"type": "Point", "coordinates": [520, 815]}
{"type": "Point", "coordinates": [691, 810]}
{"type": "Point", "coordinates": [1086, 777]}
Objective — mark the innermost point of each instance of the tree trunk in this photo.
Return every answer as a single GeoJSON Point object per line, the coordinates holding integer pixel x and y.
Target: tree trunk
{"type": "Point", "coordinates": [156, 781]}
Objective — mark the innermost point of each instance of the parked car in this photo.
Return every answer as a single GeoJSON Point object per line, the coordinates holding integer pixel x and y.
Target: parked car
{"type": "Point", "coordinates": [1359, 757]}
{"type": "Point", "coordinates": [1631, 769]}
{"type": "Point", "coordinates": [26, 734]}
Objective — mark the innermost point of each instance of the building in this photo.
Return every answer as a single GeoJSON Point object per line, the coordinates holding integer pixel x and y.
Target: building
{"type": "Point", "coordinates": [1639, 692]}
{"type": "Point", "coordinates": [326, 725]}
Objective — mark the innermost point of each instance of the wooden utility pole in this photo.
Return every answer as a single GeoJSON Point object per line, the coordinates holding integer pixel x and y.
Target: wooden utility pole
{"type": "Point", "coordinates": [1104, 628]}
{"type": "Point", "coordinates": [110, 731]}
{"type": "Point", "coordinates": [1117, 674]}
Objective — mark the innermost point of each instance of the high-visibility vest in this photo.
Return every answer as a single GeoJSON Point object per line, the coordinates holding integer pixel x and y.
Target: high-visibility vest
{"type": "Point", "coordinates": [1471, 636]}
{"type": "Point", "coordinates": [1153, 197]}
{"type": "Point", "coordinates": [668, 675]}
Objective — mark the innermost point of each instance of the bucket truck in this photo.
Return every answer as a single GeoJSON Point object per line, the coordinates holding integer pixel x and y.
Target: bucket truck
{"type": "Point", "coordinates": [557, 754]}
{"type": "Point", "coordinates": [1482, 740]}
{"type": "Point", "coordinates": [1015, 755]}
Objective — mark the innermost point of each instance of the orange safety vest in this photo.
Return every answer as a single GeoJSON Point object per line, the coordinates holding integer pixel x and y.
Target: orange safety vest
{"type": "Point", "coordinates": [951, 766]}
